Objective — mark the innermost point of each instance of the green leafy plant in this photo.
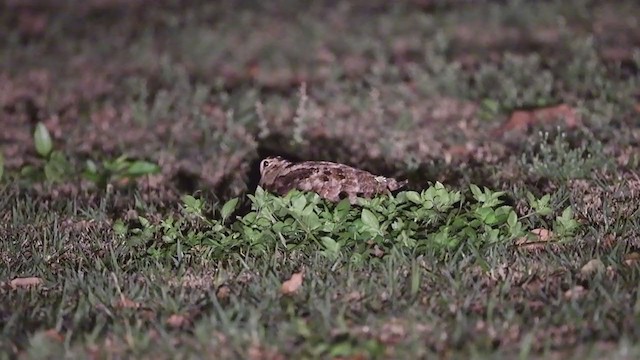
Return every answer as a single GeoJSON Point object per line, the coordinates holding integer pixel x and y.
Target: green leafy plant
{"type": "Point", "coordinates": [56, 167]}
{"type": "Point", "coordinates": [411, 222]}
{"type": "Point", "coordinates": [540, 206]}
{"type": "Point", "coordinates": [117, 169]}
{"type": "Point", "coordinates": [565, 226]}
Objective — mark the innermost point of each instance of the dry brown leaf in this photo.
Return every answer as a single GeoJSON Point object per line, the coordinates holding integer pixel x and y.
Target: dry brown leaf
{"type": "Point", "coordinates": [125, 303]}
{"type": "Point", "coordinates": [458, 151]}
{"type": "Point", "coordinates": [262, 352]}
{"type": "Point", "coordinates": [223, 292]}
{"type": "Point", "coordinates": [53, 334]}
{"type": "Point", "coordinates": [592, 267]}
{"type": "Point", "coordinates": [522, 119]}
{"type": "Point", "coordinates": [293, 284]}
{"type": "Point", "coordinates": [177, 321]}
{"type": "Point", "coordinates": [392, 333]}
{"type": "Point", "coordinates": [543, 236]}
{"type": "Point", "coordinates": [575, 293]}
{"type": "Point", "coordinates": [377, 252]}
{"type": "Point", "coordinates": [632, 259]}
{"type": "Point", "coordinates": [353, 296]}
{"type": "Point", "coordinates": [609, 241]}
{"type": "Point", "coordinates": [25, 282]}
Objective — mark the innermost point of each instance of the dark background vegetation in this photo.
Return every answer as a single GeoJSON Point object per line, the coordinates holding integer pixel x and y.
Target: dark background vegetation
{"type": "Point", "coordinates": [520, 96]}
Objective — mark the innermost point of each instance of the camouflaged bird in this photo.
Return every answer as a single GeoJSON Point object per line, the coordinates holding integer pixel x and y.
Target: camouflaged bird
{"type": "Point", "coordinates": [331, 181]}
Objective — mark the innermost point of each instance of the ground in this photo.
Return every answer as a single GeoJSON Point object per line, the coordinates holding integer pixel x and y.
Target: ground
{"type": "Point", "coordinates": [131, 223]}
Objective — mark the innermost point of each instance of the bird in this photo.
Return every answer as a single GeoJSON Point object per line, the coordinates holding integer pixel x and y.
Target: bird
{"type": "Point", "coordinates": [332, 181]}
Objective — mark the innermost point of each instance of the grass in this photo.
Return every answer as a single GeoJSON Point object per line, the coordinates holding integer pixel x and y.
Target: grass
{"type": "Point", "coordinates": [128, 180]}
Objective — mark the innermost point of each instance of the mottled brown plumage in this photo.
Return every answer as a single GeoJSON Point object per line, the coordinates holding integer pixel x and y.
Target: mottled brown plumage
{"type": "Point", "coordinates": [331, 181]}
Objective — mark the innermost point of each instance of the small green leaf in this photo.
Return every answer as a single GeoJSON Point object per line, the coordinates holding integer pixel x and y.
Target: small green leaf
{"type": "Point", "coordinates": [42, 140]}
{"type": "Point", "coordinates": [370, 219]}
{"type": "Point", "coordinates": [312, 221]}
{"type": "Point", "coordinates": [298, 203]}
{"type": "Point", "coordinates": [342, 349]}
{"type": "Point", "coordinates": [477, 193]}
{"type": "Point", "coordinates": [341, 210]}
{"type": "Point", "coordinates": [565, 224]}
{"type": "Point", "coordinates": [512, 219]}
{"type": "Point", "coordinates": [192, 205]}
{"type": "Point", "coordinates": [119, 228]}
{"type": "Point", "coordinates": [141, 167]}
{"type": "Point", "coordinates": [143, 221]}
{"type": "Point", "coordinates": [57, 167]}
{"type": "Point", "coordinates": [228, 208]}
{"type": "Point", "coordinates": [30, 172]}
{"type": "Point", "coordinates": [330, 244]}
{"type": "Point", "coordinates": [308, 210]}
{"type": "Point", "coordinates": [1, 165]}
{"type": "Point", "coordinates": [567, 214]}
{"type": "Point", "coordinates": [118, 165]}
{"type": "Point", "coordinates": [491, 106]}
{"type": "Point", "coordinates": [414, 197]}
{"type": "Point", "coordinates": [91, 167]}
{"type": "Point", "coordinates": [485, 214]}
{"type": "Point", "coordinates": [428, 204]}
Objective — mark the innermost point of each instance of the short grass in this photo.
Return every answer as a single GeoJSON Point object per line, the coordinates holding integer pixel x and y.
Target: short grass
{"type": "Point", "coordinates": [132, 134]}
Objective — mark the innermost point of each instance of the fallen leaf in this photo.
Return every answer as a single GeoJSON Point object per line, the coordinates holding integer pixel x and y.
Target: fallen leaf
{"type": "Point", "coordinates": [25, 282]}
{"type": "Point", "coordinates": [353, 296]}
{"type": "Point", "coordinates": [293, 284]}
{"type": "Point", "coordinates": [575, 293]}
{"type": "Point", "coordinates": [632, 259]}
{"type": "Point", "coordinates": [260, 351]}
{"type": "Point", "coordinates": [177, 321]}
{"type": "Point", "coordinates": [392, 333]}
{"type": "Point", "coordinates": [591, 267]}
{"type": "Point", "coordinates": [377, 252]}
{"type": "Point", "coordinates": [125, 303]}
{"type": "Point", "coordinates": [223, 292]}
{"type": "Point", "coordinates": [53, 334]}
{"type": "Point", "coordinates": [543, 234]}
{"type": "Point", "coordinates": [542, 238]}
{"type": "Point", "coordinates": [535, 285]}
{"type": "Point", "coordinates": [609, 241]}
{"type": "Point", "coordinates": [457, 151]}
{"type": "Point", "coordinates": [523, 119]}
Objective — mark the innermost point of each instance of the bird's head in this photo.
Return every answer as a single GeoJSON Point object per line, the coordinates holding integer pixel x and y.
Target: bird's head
{"type": "Point", "coordinates": [270, 163]}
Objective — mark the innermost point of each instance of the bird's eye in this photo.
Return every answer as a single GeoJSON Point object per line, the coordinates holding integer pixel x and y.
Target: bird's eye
{"type": "Point", "coordinates": [264, 164]}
